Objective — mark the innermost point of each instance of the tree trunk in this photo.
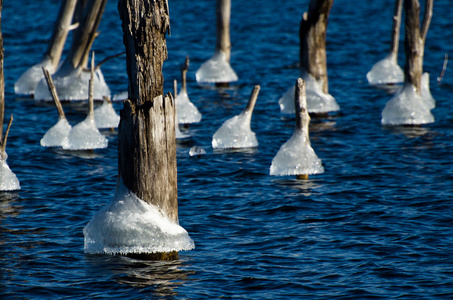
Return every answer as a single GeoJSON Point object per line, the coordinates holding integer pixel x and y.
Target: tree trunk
{"type": "Point", "coordinates": [147, 145]}
{"type": "Point", "coordinates": [414, 41]}
{"type": "Point", "coordinates": [396, 29]}
{"type": "Point", "coordinates": [60, 33]}
{"type": "Point", "coordinates": [85, 34]}
{"type": "Point", "coordinates": [312, 36]}
{"type": "Point", "coordinates": [223, 13]}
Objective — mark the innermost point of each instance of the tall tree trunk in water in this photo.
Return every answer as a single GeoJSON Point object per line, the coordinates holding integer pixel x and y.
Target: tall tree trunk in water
{"type": "Point", "coordinates": [396, 29]}
{"type": "Point", "coordinates": [147, 145]}
{"type": "Point", "coordinates": [60, 33]}
{"type": "Point", "coordinates": [223, 14]}
{"type": "Point", "coordinates": [85, 34]}
{"type": "Point", "coordinates": [312, 36]}
{"type": "Point", "coordinates": [414, 41]}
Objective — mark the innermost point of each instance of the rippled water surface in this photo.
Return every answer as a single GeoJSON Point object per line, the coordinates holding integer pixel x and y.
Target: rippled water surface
{"type": "Point", "coordinates": [376, 225]}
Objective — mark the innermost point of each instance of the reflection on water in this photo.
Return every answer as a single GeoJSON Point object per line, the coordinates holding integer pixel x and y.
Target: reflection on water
{"type": "Point", "coordinates": [161, 278]}
{"type": "Point", "coordinates": [305, 187]}
{"type": "Point", "coordinates": [408, 131]}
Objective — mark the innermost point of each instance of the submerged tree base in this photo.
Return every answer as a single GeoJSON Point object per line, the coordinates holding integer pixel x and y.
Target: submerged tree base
{"type": "Point", "coordinates": [173, 255]}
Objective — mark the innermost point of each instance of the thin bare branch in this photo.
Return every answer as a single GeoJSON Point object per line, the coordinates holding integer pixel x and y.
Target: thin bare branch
{"type": "Point", "coordinates": [426, 19]}
{"type": "Point", "coordinates": [5, 137]}
{"type": "Point", "coordinates": [444, 67]}
{"type": "Point", "coordinates": [53, 92]}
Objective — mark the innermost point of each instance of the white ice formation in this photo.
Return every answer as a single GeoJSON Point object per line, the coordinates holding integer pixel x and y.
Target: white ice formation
{"type": "Point", "coordinates": [105, 116]}
{"type": "Point", "coordinates": [73, 86]}
{"type": "Point", "coordinates": [296, 157]}
{"type": "Point", "coordinates": [216, 69]}
{"type": "Point", "coordinates": [187, 112]}
{"type": "Point", "coordinates": [409, 108]}
{"type": "Point", "coordinates": [235, 133]}
{"type": "Point", "coordinates": [178, 134]}
{"type": "Point", "coordinates": [8, 180]}
{"type": "Point", "coordinates": [385, 71]}
{"type": "Point", "coordinates": [55, 136]}
{"type": "Point", "coordinates": [130, 225]}
{"type": "Point", "coordinates": [317, 100]}
{"type": "Point", "coordinates": [196, 151]}
{"type": "Point", "coordinates": [85, 136]}
{"type": "Point", "coordinates": [27, 82]}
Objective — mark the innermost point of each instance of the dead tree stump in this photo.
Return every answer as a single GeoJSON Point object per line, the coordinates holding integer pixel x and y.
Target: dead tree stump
{"type": "Point", "coordinates": [147, 146]}
{"type": "Point", "coordinates": [312, 35]}
{"type": "Point", "coordinates": [414, 41]}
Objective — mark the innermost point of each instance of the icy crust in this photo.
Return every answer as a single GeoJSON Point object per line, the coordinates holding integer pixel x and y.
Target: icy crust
{"type": "Point", "coordinates": [130, 225]}
{"type": "Point", "coordinates": [235, 133]}
{"type": "Point", "coordinates": [8, 180]}
{"type": "Point", "coordinates": [73, 86]}
{"type": "Point", "coordinates": [296, 157]}
{"type": "Point", "coordinates": [85, 136]}
{"type": "Point", "coordinates": [187, 112]}
{"type": "Point", "coordinates": [317, 101]}
{"type": "Point", "coordinates": [105, 116]}
{"type": "Point", "coordinates": [56, 134]}
{"type": "Point", "coordinates": [385, 71]}
{"type": "Point", "coordinates": [27, 82]}
{"type": "Point", "coordinates": [216, 69]}
{"type": "Point", "coordinates": [408, 108]}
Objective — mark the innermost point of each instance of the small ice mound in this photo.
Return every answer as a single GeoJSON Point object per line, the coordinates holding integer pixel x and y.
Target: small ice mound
{"type": "Point", "coordinates": [407, 108]}
{"type": "Point", "coordinates": [196, 151]}
{"type": "Point", "coordinates": [73, 86]}
{"type": "Point", "coordinates": [385, 71]}
{"type": "Point", "coordinates": [187, 111]}
{"type": "Point", "coordinates": [55, 136]}
{"type": "Point", "coordinates": [317, 100]}
{"type": "Point", "coordinates": [426, 92]}
{"type": "Point", "coordinates": [85, 136]}
{"type": "Point", "coordinates": [105, 116]}
{"type": "Point", "coordinates": [216, 69]}
{"type": "Point", "coordinates": [235, 133]}
{"type": "Point", "coordinates": [296, 157]}
{"type": "Point", "coordinates": [27, 82]}
{"type": "Point", "coordinates": [8, 180]}
{"type": "Point", "coordinates": [130, 225]}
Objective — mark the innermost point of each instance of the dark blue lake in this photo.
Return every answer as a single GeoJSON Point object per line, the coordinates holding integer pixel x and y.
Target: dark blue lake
{"type": "Point", "coordinates": [378, 224]}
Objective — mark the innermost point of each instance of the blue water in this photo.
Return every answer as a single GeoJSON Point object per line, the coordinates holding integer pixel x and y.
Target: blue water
{"type": "Point", "coordinates": [378, 224]}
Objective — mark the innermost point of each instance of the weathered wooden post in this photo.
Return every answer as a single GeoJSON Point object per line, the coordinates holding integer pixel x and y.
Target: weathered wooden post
{"type": "Point", "coordinates": [414, 41]}
{"type": "Point", "coordinates": [147, 146]}
{"type": "Point", "coordinates": [223, 15]}
{"type": "Point", "coordinates": [312, 34]}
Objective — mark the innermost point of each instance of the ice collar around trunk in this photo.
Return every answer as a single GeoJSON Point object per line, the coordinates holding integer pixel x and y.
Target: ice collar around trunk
{"type": "Point", "coordinates": [385, 71]}
{"type": "Point", "coordinates": [27, 82]}
{"type": "Point", "coordinates": [216, 69]}
{"type": "Point", "coordinates": [8, 180]}
{"type": "Point", "coordinates": [317, 100]}
{"type": "Point", "coordinates": [85, 136]}
{"type": "Point", "coordinates": [55, 136]}
{"type": "Point", "coordinates": [131, 225]}
{"type": "Point", "coordinates": [187, 112]}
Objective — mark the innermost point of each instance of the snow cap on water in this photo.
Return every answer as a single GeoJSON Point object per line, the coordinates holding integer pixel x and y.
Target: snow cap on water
{"type": "Point", "coordinates": [385, 71]}
{"type": "Point", "coordinates": [408, 108]}
{"type": "Point", "coordinates": [105, 116]}
{"type": "Point", "coordinates": [131, 225]}
{"type": "Point", "coordinates": [27, 82]}
{"type": "Point", "coordinates": [85, 136]}
{"type": "Point", "coordinates": [8, 180]}
{"type": "Point", "coordinates": [296, 157]}
{"type": "Point", "coordinates": [216, 69]}
{"type": "Point", "coordinates": [235, 133]}
{"type": "Point", "coordinates": [56, 134]}
{"type": "Point", "coordinates": [73, 86]}
{"type": "Point", "coordinates": [196, 151]}
{"type": "Point", "coordinates": [187, 112]}
{"type": "Point", "coordinates": [317, 100]}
